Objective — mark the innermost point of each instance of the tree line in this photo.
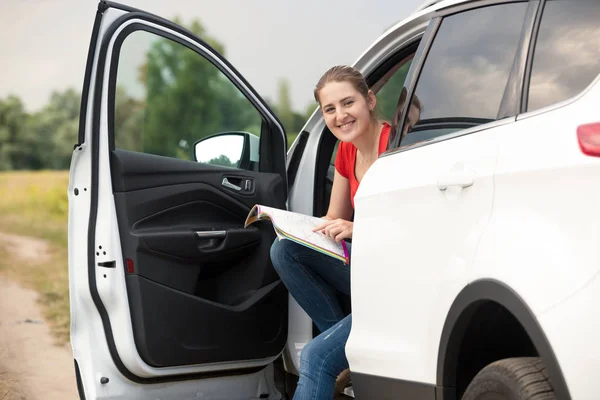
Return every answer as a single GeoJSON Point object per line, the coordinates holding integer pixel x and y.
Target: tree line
{"type": "Point", "coordinates": [184, 99]}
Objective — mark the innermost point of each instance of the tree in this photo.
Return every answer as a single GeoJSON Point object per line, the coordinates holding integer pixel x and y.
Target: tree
{"type": "Point", "coordinates": [188, 98]}
{"type": "Point", "coordinates": [13, 149]}
{"type": "Point", "coordinates": [284, 106]}
{"type": "Point", "coordinates": [53, 131]}
{"type": "Point", "coordinates": [129, 121]}
{"type": "Point", "coordinates": [222, 160]}
{"type": "Point", "coordinates": [183, 98]}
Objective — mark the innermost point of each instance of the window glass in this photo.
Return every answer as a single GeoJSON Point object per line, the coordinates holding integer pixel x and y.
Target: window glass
{"type": "Point", "coordinates": [391, 85]}
{"type": "Point", "coordinates": [168, 97]}
{"type": "Point", "coordinates": [567, 51]}
{"type": "Point", "coordinates": [466, 71]}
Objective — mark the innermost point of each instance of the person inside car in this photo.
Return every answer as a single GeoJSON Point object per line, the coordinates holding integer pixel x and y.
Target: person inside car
{"type": "Point", "coordinates": [316, 280]}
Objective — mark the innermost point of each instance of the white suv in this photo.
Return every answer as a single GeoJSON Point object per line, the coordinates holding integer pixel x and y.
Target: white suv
{"type": "Point", "coordinates": [476, 257]}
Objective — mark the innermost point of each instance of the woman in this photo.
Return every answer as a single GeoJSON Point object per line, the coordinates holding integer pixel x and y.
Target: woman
{"type": "Point", "coordinates": [314, 279]}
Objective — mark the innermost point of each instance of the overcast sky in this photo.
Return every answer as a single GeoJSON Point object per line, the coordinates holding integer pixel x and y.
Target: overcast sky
{"type": "Point", "coordinates": [43, 43]}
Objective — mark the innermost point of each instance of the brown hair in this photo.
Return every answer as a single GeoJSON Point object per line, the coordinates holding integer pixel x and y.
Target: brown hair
{"type": "Point", "coordinates": [343, 73]}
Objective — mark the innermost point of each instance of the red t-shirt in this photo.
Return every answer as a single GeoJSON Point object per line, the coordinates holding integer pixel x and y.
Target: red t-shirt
{"type": "Point", "coordinates": [345, 159]}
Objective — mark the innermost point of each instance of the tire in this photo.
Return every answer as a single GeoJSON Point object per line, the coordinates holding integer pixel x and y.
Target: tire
{"type": "Point", "coordinates": [511, 379]}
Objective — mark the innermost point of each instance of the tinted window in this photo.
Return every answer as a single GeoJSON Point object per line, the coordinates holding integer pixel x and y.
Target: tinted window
{"type": "Point", "coordinates": [466, 71]}
{"type": "Point", "coordinates": [168, 96]}
{"type": "Point", "coordinates": [389, 87]}
{"type": "Point", "coordinates": [567, 51]}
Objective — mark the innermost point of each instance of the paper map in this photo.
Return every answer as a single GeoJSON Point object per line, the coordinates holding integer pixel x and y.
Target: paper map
{"type": "Point", "coordinates": [298, 228]}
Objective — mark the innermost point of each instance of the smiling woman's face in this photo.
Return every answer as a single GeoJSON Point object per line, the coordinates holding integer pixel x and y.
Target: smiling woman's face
{"type": "Point", "coordinates": [346, 111]}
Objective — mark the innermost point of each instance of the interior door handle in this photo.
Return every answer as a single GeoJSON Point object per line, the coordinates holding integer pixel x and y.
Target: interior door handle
{"type": "Point", "coordinates": [461, 179]}
{"type": "Point", "coordinates": [229, 185]}
{"type": "Point", "coordinates": [211, 234]}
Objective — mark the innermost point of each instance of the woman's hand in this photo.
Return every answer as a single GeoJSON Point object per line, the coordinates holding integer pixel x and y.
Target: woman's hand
{"type": "Point", "coordinates": [337, 229]}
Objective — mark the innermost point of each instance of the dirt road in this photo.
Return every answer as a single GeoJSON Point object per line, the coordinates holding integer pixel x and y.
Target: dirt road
{"type": "Point", "coordinates": [43, 370]}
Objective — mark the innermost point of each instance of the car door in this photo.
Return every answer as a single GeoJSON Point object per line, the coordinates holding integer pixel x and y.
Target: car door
{"type": "Point", "coordinates": [423, 206]}
{"type": "Point", "coordinates": [171, 297]}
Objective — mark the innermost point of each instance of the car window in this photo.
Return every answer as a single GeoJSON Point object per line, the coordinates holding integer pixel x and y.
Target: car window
{"type": "Point", "coordinates": [388, 88]}
{"type": "Point", "coordinates": [567, 52]}
{"type": "Point", "coordinates": [465, 73]}
{"type": "Point", "coordinates": [168, 97]}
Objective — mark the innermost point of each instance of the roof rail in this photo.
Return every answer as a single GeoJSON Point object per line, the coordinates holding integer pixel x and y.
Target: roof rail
{"type": "Point", "coordinates": [426, 4]}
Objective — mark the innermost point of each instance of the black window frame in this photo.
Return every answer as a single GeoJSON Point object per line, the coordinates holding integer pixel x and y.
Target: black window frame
{"type": "Point", "coordinates": [512, 99]}
{"type": "Point", "coordinates": [530, 52]}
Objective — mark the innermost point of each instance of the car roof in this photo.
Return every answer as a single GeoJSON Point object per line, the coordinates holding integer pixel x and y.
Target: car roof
{"type": "Point", "coordinates": [428, 7]}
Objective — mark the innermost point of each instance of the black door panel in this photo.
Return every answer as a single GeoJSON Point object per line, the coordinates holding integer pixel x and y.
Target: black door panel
{"type": "Point", "coordinates": [133, 171]}
{"type": "Point", "coordinates": [205, 298]}
{"type": "Point", "coordinates": [181, 329]}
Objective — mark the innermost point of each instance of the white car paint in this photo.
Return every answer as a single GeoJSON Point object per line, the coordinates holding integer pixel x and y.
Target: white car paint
{"type": "Point", "coordinates": [533, 226]}
{"type": "Point", "coordinates": [407, 269]}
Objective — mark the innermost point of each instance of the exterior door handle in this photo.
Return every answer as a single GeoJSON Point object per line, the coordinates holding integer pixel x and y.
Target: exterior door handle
{"type": "Point", "coordinates": [462, 179]}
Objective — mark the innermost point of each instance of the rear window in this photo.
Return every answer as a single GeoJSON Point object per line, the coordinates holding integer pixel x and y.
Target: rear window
{"type": "Point", "coordinates": [465, 74]}
{"type": "Point", "coordinates": [567, 52]}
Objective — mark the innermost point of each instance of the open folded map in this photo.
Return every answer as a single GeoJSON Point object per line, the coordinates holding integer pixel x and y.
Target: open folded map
{"type": "Point", "coordinates": [299, 228]}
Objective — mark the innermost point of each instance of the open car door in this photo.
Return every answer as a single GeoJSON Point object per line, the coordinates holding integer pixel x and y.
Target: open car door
{"type": "Point", "coordinates": [171, 297]}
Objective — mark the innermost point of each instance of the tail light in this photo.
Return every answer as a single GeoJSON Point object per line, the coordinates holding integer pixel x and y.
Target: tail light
{"type": "Point", "coordinates": [589, 139]}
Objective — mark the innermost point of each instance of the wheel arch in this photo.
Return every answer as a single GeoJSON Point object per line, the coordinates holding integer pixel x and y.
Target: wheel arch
{"type": "Point", "coordinates": [458, 319]}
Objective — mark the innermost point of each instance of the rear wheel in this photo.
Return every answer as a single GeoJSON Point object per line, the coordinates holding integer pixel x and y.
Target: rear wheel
{"type": "Point", "coordinates": [511, 379]}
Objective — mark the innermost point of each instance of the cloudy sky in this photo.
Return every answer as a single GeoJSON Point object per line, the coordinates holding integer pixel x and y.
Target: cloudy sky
{"type": "Point", "coordinates": [43, 43]}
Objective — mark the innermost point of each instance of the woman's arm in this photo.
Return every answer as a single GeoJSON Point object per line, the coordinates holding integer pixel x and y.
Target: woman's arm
{"type": "Point", "coordinates": [338, 226]}
{"type": "Point", "coordinates": [340, 205]}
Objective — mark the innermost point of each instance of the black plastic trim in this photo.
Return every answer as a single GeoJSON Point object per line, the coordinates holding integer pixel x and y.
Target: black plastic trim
{"type": "Point", "coordinates": [389, 63]}
{"type": "Point", "coordinates": [529, 63]}
{"type": "Point", "coordinates": [414, 72]}
{"type": "Point", "coordinates": [458, 319]}
{"type": "Point", "coordinates": [80, 390]}
{"type": "Point", "coordinates": [119, 6]}
{"type": "Point", "coordinates": [511, 100]}
{"type": "Point", "coordinates": [97, 106]}
{"type": "Point", "coordinates": [88, 77]}
{"type": "Point", "coordinates": [294, 161]}
{"type": "Point", "coordinates": [324, 152]}
{"type": "Point", "coordinates": [382, 388]}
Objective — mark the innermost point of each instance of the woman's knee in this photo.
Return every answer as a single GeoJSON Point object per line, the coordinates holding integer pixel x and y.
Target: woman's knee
{"type": "Point", "coordinates": [322, 357]}
{"type": "Point", "coordinates": [309, 355]}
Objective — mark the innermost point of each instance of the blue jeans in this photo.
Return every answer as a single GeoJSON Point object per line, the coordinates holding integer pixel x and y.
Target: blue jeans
{"type": "Point", "coordinates": [315, 281]}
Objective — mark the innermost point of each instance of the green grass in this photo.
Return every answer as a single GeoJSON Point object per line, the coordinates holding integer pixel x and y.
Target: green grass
{"type": "Point", "coordinates": [35, 204]}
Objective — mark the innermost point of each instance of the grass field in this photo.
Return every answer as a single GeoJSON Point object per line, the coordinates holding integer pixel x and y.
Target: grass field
{"type": "Point", "coordinates": [35, 204]}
